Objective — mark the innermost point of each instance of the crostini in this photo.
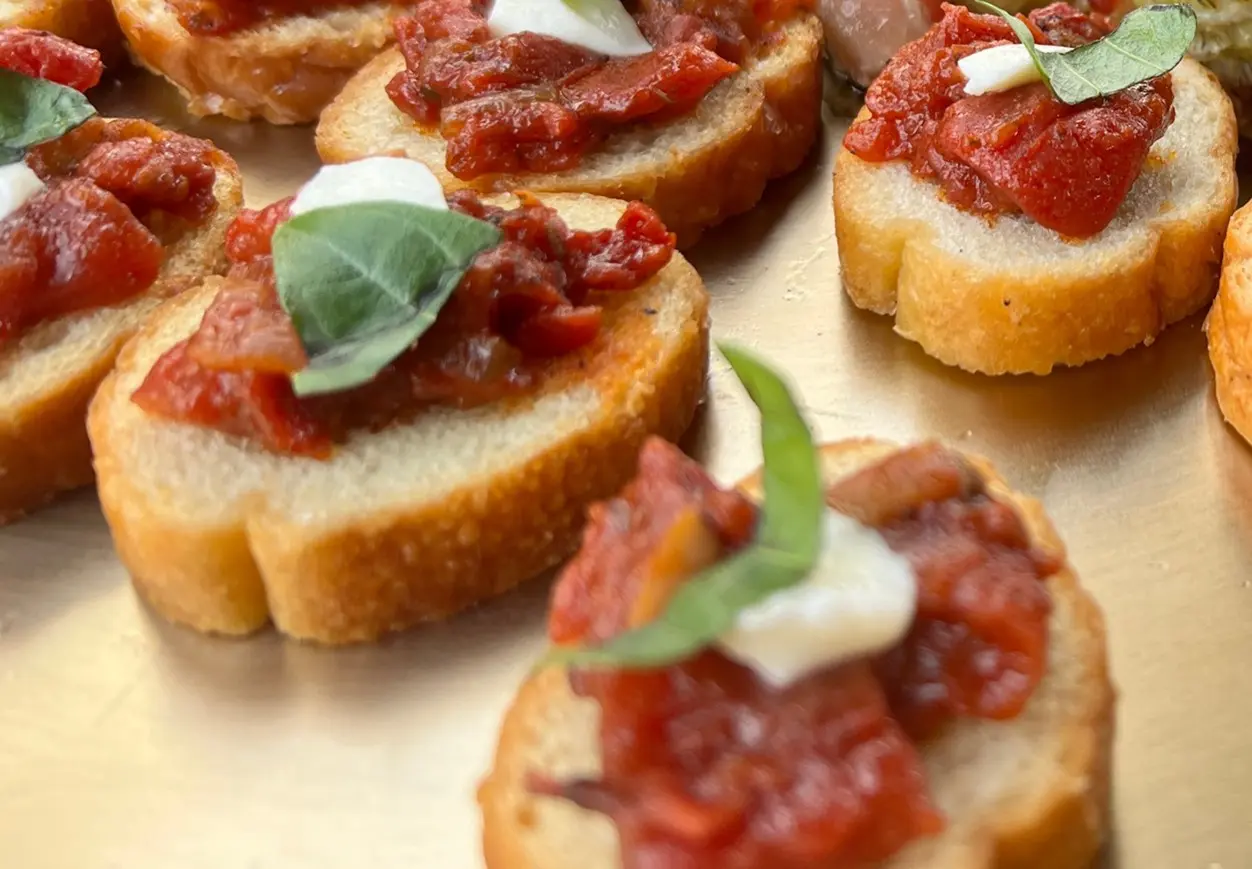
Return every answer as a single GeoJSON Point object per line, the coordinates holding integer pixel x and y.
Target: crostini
{"type": "Point", "coordinates": [690, 112]}
{"type": "Point", "coordinates": [1229, 327]}
{"type": "Point", "coordinates": [100, 220]}
{"type": "Point", "coordinates": [279, 61]}
{"type": "Point", "coordinates": [887, 663]}
{"type": "Point", "coordinates": [86, 22]}
{"type": "Point", "coordinates": [1012, 225]}
{"type": "Point", "coordinates": [398, 407]}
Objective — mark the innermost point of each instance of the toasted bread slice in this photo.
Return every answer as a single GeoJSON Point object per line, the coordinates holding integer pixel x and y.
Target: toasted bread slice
{"type": "Point", "coordinates": [47, 376]}
{"type": "Point", "coordinates": [87, 22]}
{"type": "Point", "coordinates": [695, 171]}
{"type": "Point", "coordinates": [1010, 296]}
{"type": "Point", "coordinates": [1031, 793]}
{"type": "Point", "coordinates": [284, 71]}
{"type": "Point", "coordinates": [409, 524]}
{"type": "Point", "coordinates": [1229, 326]}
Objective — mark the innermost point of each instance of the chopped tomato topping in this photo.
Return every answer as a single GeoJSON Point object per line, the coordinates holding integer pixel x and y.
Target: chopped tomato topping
{"type": "Point", "coordinates": [71, 247]}
{"type": "Point", "coordinates": [117, 192]}
{"type": "Point", "coordinates": [39, 54]}
{"type": "Point", "coordinates": [520, 303]}
{"type": "Point", "coordinates": [1068, 168]}
{"type": "Point", "coordinates": [247, 403]}
{"type": "Point", "coordinates": [530, 103]}
{"type": "Point", "coordinates": [705, 765]}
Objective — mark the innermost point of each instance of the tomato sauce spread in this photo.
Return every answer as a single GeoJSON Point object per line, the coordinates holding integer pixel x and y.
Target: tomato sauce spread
{"type": "Point", "coordinates": [530, 299]}
{"type": "Point", "coordinates": [1068, 168]}
{"type": "Point", "coordinates": [116, 192]}
{"type": "Point", "coordinates": [531, 103]}
{"type": "Point", "coordinates": [223, 17]}
{"type": "Point", "coordinates": [705, 766]}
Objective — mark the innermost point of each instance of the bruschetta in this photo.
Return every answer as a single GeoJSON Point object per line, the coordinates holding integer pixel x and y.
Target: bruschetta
{"type": "Point", "coordinates": [1009, 231]}
{"type": "Point", "coordinates": [100, 220]}
{"type": "Point", "coordinates": [693, 114]}
{"type": "Point", "coordinates": [86, 22]}
{"type": "Point", "coordinates": [888, 663]}
{"type": "Point", "coordinates": [245, 59]}
{"type": "Point", "coordinates": [397, 408]}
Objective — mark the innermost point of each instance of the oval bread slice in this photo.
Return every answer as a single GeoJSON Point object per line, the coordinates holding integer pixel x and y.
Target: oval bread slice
{"type": "Point", "coordinates": [1010, 296]}
{"type": "Point", "coordinates": [48, 376]}
{"type": "Point", "coordinates": [284, 71]}
{"type": "Point", "coordinates": [1031, 793]}
{"type": "Point", "coordinates": [405, 525]}
{"type": "Point", "coordinates": [87, 22]}
{"type": "Point", "coordinates": [695, 171]}
{"type": "Point", "coordinates": [1229, 326]}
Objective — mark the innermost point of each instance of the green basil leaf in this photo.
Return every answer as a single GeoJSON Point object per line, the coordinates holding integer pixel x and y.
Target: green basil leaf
{"type": "Point", "coordinates": [786, 547]}
{"type": "Point", "coordinates": [362, 282]}
{"type": "Point", "coordinates": [1149, 42]}
{"type": "Point", "coordinates": [33, 111]}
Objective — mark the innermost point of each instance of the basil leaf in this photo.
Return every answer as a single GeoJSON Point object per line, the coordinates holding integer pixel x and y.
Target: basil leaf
{"type": "Point", "coordinates": [1149, 42]}
{"type": "Point", "coordinates": [362, 282]}
{"type": "Point", "coordinates": [786, 547]}
{"type": "Point", "coordinates": [33, 111]}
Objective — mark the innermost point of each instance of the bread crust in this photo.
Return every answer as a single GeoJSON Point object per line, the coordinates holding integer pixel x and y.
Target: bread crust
{"type": "Point", "coordinates": [1057, 822]}
{"type": "Point", "coordinates": [44, 450]}
{"type": "Point", "coordinates": [1229, 327]}
{"type": "Point", "coordinates": [767, 118]}
{"type": "Point", "coordinates": [284, 72]}
{"type": "Point", "coordinates": [87, 22]}
{"type": "Point", "coordinates": [977, 312]}
{"type": "Point", "coordinates": [392, 566]}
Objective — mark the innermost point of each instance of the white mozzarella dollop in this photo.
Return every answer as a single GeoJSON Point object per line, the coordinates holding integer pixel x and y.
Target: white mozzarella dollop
{"type": "Point", "coordinates": [374, 179]}
{"type": "Point", "coordinates": [859, 600]}
{"type": "Point", "coordinates": [602, 26]}
{"type": "Point", "coordinates": [1001, 68]}
{"type": "Point", "coordinates": [18, 183]}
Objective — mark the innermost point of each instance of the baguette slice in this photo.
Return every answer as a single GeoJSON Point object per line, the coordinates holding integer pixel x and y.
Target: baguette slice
{"type": "Point", "coordinates": [87, 22]}
{"type": "Point", "coordinates": [1229, 327]}
{"type": "Point", "coordinates": [1031, 793]}
{"type": "Point", "coordinates": [1014, 297]}
{"type": "Point", "coordinates": [284, 71]}
{"type": "Point", "coordinates": [695, 171]}
{"type": "Point", "coordinates": [410, 524]}
{"type": "Point", "coordinates": [47, 376]}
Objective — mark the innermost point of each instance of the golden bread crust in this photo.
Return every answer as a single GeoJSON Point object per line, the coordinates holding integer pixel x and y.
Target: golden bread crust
{"type": "Point", "coordinates": [1229, 327]}
{"type": "Point", "coordinates": [1059, 821]}
{"type": "Point", "coordinates": [87, 22]}
{"type": "Point", "coordinates": [284, 73]}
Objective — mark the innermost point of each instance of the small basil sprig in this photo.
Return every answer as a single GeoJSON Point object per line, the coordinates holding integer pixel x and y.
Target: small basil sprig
{"type": "Point", "coordinates": [362, 282]}
{"type": "Point", "coordinates": [1149, 42]}
{"type": "Point", "coordinates": [783, 553]}
{"type": "Point", "coordinates": [33, 111]}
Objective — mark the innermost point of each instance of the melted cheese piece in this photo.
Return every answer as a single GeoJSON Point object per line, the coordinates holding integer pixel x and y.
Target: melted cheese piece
{"type": "Point", "coordinates": [1002, 68]}
{"type": "Point", "coordinates": [18, 183]}
{"type": "Point", "coordinates": [374, 179]}
{"type": "Point", "coordinates": [860, 600]}
{"type": "Point", "coordinates": [602, 26]}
